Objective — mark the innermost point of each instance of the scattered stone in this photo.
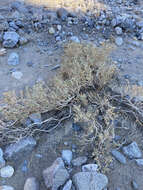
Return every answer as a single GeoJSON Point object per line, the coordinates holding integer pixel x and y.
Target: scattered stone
{"type": "Point", "coordinates": [17, 75]}
{"type": "Point", "coordinates": [59, 27]}
{"type": "Point", "coordinates": [68, 185]}
{"type": "Point", "coordinates": [5, 187]}
{"type": "Point", "coordinates": [139, 162]}
{"type": "Point", "coordinates": [62, 13]}
{"type": "Point", "coordinates": [79, 161]}
{"type": "Point", "coordinates": [75, 39]}
{"type": "Point", "coordinates": [118, 30]}
{"type": "Point", "coordinates": [120, 157]}
{"type": "Point", "coordinates": [67, 156]}
{"type": "Point", "coordinates": [10, 39]}
{"type": "Point", "coordinates": [119, 41]}
{"type": "Point", "coordinates": [36, 118]}
{"type": "Point", "coordinates": [90, 168]}
{"type": "Point", "coordinates": [51, 30]}
{"type": "Point", "coordinates": [22, 146]}
{"type": "Point", "coordinates": [7, 172]}
{"type": "Point", "coordinates": [13, 59]}
{"type": "Point", "coordinates": [90, 180]}
{"type": "Point", "coordinates": [2, 161]}
{"type": "Point", "coordinates": [31, 184]}
{"type": "Point", "coordinates": [56, 175]}
{"type": "Point", "coordinates": [23, 41]}
{"type": "Point", "coordinates": [134, 185]}
{"type": "Point", "coordinates": [132, 151]}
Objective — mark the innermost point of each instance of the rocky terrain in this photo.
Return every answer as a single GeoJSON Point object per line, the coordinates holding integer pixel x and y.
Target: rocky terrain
{"type": "Point", "coordinates": [31, 45]}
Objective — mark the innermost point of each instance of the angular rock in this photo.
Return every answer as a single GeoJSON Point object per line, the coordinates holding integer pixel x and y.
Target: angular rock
{"type": "Point", "coordinates": [22, 146]}
{"type": "Point", "coordinates": [90, 180]}
{"type": "Point", "coordinates": [2, 161]}
{"type": "Point", "coordinates": [90, 168]}
{"type": "Point", "coordinates": [31, 184]}
{"type": "Point", "coordinates": [119, 41]}
{"type": "Point", "coordinates": [6, 187]}
{"type": "Point", "coordinates": [68, 185]}
{"type": "Point", "coordinates": [67, 156]}
{"type": "Point", "coordinates": [56, 175]}
{"type": "Point", "coordinates": [10, 39]}
{"type": "Point", "coordinates": [79, 161]}
{"type": "Point", "coordinates": [139, 162]}
{"type": "Point", "coordinates": [17, 75]}
{"type": "Point", "coordinates": [7, 172]}
{"type": "Point", "coordinates": [120, 157]}
{"type": "Point", "coordinates": [132, 151]}
{"type": "Point", "coordinates": [13, 59]}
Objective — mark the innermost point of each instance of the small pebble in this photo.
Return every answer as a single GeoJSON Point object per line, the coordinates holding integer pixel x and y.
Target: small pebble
{"type": "Point", "coordinates": [31, 184]}
{"type": "Point", "coordinates": [7, 172]}
{"type": "Point", "coordinates": [90, 168]}
{"type": "Point", "coordinates": [139, 162]}
{"type": "Point", "coordinates": [67, 156]}
{"type": "Point", "coordinates": [119, 41]}
{"type": "Point", "coordinates": [17, 75]}
{"type": "Point", "coordinates": [79, 161]}
{"type": "Point", "coordinates": [68, 185]}
{"type": "Point", "coordinates": [51, 30]}
{"type": "Point", "coordinates": [134, 185]}
{"type": "Point", "coordinates": [120, 157]}
{"type": "Point", "coordinates": [6, 187]}
{"type": "Point", "coordinates": [13, 59]}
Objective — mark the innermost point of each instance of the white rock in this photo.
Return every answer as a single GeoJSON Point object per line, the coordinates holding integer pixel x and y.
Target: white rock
{"type": "Point", "coordinates": [5, 187]}
{"type": "Point", "coordinates": [67, 156]}
{"type": "Point", "coordinates": [17, 75]}
{"type": "Point", "coordinates": [7, 172]}
{"type": "Point", "coordinates": [51, 30]}
{"type": "Point", "coordinates": [31, 184]}
{"type": "Point", "coordinates": [59, 27]}
{"type": "Point", "coordinates": [139, 162]}
{"type": "Point", "coordinates": [2, 161]}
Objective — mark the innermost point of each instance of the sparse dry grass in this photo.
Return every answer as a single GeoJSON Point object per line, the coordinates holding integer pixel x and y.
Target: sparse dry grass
{"type": "Point", "coordinates": [80, 88]}
{"type": "Point", "coordinates": [81, 5]}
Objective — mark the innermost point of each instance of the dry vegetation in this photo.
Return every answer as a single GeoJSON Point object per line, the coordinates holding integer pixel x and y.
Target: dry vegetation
{"type": "Point", "coordinates": [80, 89]}
{"type": "Point", "coordinates": [80, 5]}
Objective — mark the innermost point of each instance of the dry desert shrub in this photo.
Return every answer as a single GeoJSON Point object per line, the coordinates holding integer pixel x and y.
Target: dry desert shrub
{"type": "Point", "coordinates": [82, 66]}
